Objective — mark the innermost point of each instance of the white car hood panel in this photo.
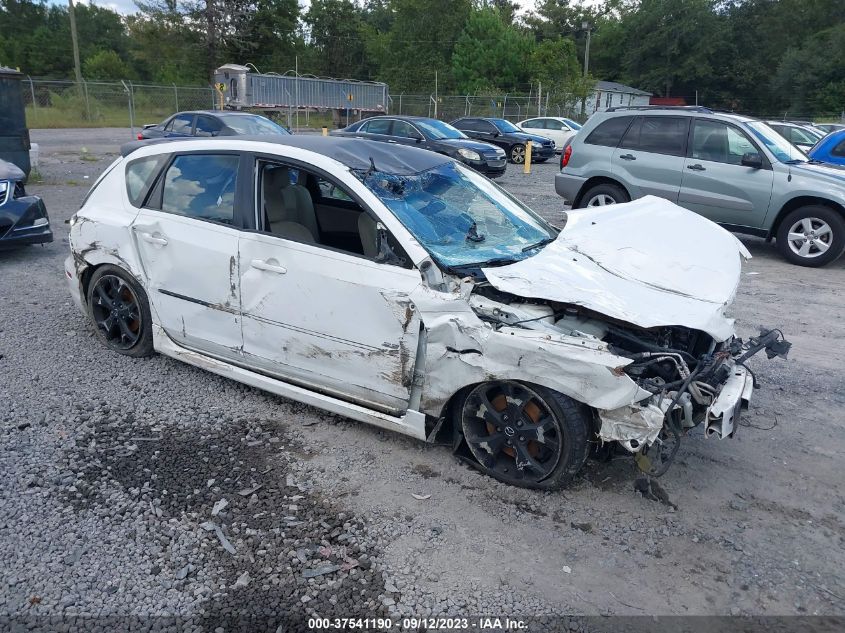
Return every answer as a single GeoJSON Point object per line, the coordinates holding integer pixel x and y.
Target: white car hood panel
{"type": "Point", "coordinates": [648, 262]}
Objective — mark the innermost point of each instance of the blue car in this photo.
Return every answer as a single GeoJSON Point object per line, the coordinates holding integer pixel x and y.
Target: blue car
{"type": "Point", "coordinates": [831, 149]}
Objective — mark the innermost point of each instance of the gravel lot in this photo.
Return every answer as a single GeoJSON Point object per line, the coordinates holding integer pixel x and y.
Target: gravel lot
{"type": "Point", "coordinates": [115, 469]}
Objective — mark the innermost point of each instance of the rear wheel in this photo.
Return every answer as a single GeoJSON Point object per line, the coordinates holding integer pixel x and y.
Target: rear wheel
{"type": "Point", "coordinates": [118, 308]}
{"type": "Point", "coordinates": [525, 435]}
{"type": "Point", "coordinates": [811, 236]}
{"type": "Point", "coordinates": [602, 195]}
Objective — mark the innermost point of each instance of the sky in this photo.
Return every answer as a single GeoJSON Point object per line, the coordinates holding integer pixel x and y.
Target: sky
{"type": "Point", "coordinates": [126, 7]}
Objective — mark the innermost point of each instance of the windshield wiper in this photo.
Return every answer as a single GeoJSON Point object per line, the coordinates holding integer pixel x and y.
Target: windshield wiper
{"type": "Point", "coordinates": [541, 243]}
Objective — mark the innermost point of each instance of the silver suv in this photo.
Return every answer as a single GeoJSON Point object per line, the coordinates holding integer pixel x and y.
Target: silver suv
{"type": "Point", "coordinates": [734, 170]}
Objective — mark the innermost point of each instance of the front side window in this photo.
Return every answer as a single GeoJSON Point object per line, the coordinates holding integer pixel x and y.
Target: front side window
{"type": "Point", "coordinates": [610, 132]}
{"type": "Point", "coordinates": [181, 124]}
{"type": "Point", "coordinates": [206, 126]}
{"type": "Point", "coordinates": [378, 126]}
{"type": "Point", "coordinates": [839, 150]}
{"type": "Point", "coordinates": [139, 176]}
{"type": "Point", "coordinates": [405, 130]}
{"type": "Point", "coordinates": [554, 124]}
{"type": "Point", "coordinates": [660, 135]}
{"type": "Point", "coordinates": [249, 124]}
{"type": "Point", "coordinates": [718, 142]}
{"type": "Point", "coordinates": [438, 129]}
{"type": "Point", "coordinates": [201, 186]}
{"type": "Point", "coordinates": [459, 216]}
{"type": "Point", "coordinates": [504, 126]}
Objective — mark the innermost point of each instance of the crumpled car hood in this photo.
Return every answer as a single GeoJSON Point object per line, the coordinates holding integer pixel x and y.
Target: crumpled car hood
{"type": "Point", "coordinates": [648, 262]}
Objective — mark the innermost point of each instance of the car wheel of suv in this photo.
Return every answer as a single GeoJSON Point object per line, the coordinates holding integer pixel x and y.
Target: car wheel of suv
{"type": "Point", "coordinates": [118, 308]}
{"type": "Point", "coordinates": [525, 435]}
{"type": "Point", "coordinates": [811, 236]}
{"type": "Point", "coordinates": [602, 195]}
{"type": "Point", "coordinates": [518, 154]}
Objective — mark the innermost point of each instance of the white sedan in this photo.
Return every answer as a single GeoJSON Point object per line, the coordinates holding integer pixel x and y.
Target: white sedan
{"type": "Point", "coordinates": [559, 129]}
{"type": "Point", "coordinates": [397, 287]}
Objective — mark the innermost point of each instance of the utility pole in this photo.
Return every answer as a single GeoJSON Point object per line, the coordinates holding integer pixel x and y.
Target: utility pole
{"type": "Point", "coordinates": [435, 94]}
{"type": "Point", "coordinates": [539, 96]}
{"type": "Point", "coordinates": [586, 26]}
{"type": "Point", "coordinates": [76, 67]}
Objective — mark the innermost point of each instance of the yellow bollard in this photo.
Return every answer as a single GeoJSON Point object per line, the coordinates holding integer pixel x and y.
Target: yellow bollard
{"type": "Point", "coordinates": [325, 131]}
{"type": "Point", "coordinates": [526, 168]}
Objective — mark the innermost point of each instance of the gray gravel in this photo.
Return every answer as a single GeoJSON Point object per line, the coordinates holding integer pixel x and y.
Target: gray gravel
{"type": "Point", "coordinates": [112, 468]}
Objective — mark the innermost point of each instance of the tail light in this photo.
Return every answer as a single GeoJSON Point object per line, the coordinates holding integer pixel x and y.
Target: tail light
{"type": "Point", "coordinates": [140, 136]}
{"type": "Point", "coordinates": [564, 158]}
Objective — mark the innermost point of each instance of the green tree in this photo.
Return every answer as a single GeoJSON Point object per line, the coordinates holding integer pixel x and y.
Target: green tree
{"type": "Point", "coordinates": [490, 54]}
{"type": "Point", "coordinates": [336, 35]}
{"type": "Point", "coordinates": [105, 65]}
{"type": "Point", "coordinates": [554, 64]}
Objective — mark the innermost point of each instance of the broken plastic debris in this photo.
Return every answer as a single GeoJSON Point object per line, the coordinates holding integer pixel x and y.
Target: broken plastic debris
{"type": "Point", "coordinates": [208, 526]}
{"type": "Point", "coordinates": [246, 492]}
{"type": "Point", "coordinates": [219, 506]}
{"type": "Point", "coordinates": [567, 569]}
{"type": "Point", "coordinates": [224, 541]}
{"type": "Point", "coordinates": [242, 581]}
{"type": "Point", "coordinates": [420, 497]}
{"type": "Point", "coordinates": [320, 571]}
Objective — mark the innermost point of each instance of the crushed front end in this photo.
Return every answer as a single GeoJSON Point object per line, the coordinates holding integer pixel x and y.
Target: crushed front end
{"type": "Point", "coordinates": [694, 380]}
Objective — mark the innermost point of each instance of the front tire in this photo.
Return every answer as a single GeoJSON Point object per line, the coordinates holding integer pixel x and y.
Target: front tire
{"type": "Point", "coordinates": [119, 310]}
{"type": "Point", "coordinates": [525, 435]}
{"type": "Point", "coordinates": [603, 195]}
{"type": "Point", "coordinates": [811, 236]}
{"type": "Point", "coordinates": [517, 154]}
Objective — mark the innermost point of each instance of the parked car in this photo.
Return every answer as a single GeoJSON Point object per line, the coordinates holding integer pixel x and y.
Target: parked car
{"type": "Point", "coordinates": [507, 136]}
{"type": "Point", "coordinates": [800, 136]}
{"type": "Point", "coordinates": [559, 129]}
{"type": "Point", "coordinates": [831, 149]}
{"type": "Point", "coordinates": [734, 170]}
{"type": "Point", "coordinates": [827, 128]}
{"type": "Point", "coordinates": [212, 123]}
{"type": "Point", "coordinates": [433, 135]}
{"type": "Point", "coordinates": [23, 218]}
{"type": "Point", "coordinates": [398, 287]}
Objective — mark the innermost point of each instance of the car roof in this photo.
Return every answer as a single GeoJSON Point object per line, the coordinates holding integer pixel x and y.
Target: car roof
{"type": "Point", "coordinates": [354, 153]}
{"type": "Point", "coordinates": [217, 112]}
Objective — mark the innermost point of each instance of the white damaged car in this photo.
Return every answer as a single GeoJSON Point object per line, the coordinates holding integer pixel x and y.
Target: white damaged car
{"type": "Point", "coordinates": [395, 286]}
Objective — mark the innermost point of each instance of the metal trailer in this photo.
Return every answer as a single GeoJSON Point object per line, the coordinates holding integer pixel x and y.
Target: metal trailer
{"type": "Point", "coordinates": [243, 89]}
{"type": "Point", "coordinates": [14, 135]}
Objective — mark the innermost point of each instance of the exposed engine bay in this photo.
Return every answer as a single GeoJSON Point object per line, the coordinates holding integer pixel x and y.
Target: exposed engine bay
{"type": "Point", "coordinates": [693, 378]}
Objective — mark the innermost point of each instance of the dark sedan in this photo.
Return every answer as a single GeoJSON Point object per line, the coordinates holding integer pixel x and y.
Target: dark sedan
{"type": "Point", "coordinates": [211, 123]}
{"type": "Point", "coordinates": [507, 136]}
{"type": "Point", "coordinates": [433, 135]}
{"type": "Point", "coordinates": [23, 218]}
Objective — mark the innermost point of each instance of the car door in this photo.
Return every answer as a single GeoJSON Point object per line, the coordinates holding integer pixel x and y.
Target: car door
{"type": "Point", "coordinates": [180, 125]}
{"type": "Point", "coordinates": [716, 184]}
{"type": "Point", "coordinates": [325, 318]}
{"type": "Point", "coordinates": [650, 157]}
{"type": "Point", "coordinates": [376, 130]}
{"type": "Point", "coordinates": [187, 242]}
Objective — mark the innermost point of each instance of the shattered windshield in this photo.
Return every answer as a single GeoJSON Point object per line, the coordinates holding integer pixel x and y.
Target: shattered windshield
{"type": "Point", "coordinates": [460, 217]}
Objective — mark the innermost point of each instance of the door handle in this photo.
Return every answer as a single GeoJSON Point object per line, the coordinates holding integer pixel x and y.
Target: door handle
{"type": "Point", "coordinates": [270, 268]}
{"type": "Point", "coordinates": [153, 239]}
{"type": "Point", "coordinates": [628, 157]}
{"type": "Point", "coordinates": [697, 167]}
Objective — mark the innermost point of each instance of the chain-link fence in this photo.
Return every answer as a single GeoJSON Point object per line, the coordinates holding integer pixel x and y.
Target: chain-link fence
{"type": "Point", "coordinates": [60, 104]}
{"type": "Point", "coordinates": [506, 106]}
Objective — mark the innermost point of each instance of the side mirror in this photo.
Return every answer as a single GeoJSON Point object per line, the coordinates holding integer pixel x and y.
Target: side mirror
{"type": "Point", "coordinates": [419, 139]}
{"type": "Point", "coordinates": [752, 159]}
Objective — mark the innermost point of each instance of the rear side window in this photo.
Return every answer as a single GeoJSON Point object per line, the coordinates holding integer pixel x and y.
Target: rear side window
{"type": "Point", "coordinates": [658, 134]}
{"type": "Point", "coordinates": [610, 132]}
{"type": "Point", "coordinates": [181, 124]}
{"type": "Point", "coordinates": [839, 150]}
{"type": "Point", "coordinates": [201, 186]}
{"type": "Point", "coordinates": [139, 177]}
{"type": "Point", "coordinates": [534, 124]}
{"type": "Point", "coordinates": [206, 126]}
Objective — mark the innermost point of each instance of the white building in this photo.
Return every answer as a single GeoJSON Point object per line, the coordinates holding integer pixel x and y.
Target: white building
{"type": "Point", "coordinates": [607, 94]}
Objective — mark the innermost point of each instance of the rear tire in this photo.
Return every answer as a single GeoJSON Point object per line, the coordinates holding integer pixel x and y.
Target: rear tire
{"type": "Point", "coordinates": [603, 195]}
{"type": "Point", "coordinates": [524, 435]}
{"type": "Point", "coordinates": [811, 236]}
{"type": "Point", "coordinates": [120, 312]}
